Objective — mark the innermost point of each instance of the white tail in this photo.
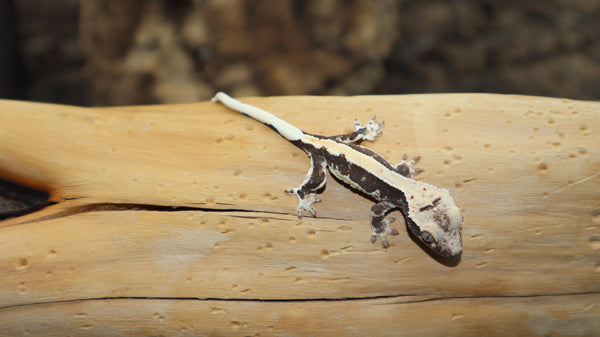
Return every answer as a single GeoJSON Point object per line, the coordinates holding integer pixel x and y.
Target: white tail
{"type": "Point", "coordinates": [284, 128]}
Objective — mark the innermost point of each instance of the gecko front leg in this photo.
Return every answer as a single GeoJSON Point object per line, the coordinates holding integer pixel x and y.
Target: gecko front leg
{"type": "Point", "coordinates": [367, 132]}
{"type": "Point", "coordinates": [380, 224]}
{"type": "Point", "coordinates": [307, 192]}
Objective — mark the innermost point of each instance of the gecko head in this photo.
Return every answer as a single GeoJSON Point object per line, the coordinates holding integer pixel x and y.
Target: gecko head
{"type": "Point", "coordinates": [438, 225]}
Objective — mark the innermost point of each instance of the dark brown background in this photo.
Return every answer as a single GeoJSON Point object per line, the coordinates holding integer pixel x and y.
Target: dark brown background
{"type": "Point", "coordinates": [114, 52]}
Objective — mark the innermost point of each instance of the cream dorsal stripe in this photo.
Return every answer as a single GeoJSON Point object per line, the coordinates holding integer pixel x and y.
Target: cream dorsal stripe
{"type": "Point", "coordinates": [429, 212]}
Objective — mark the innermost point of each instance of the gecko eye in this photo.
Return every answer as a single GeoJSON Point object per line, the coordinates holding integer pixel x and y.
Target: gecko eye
{"type": "Point", "coordinates": [427, 237]}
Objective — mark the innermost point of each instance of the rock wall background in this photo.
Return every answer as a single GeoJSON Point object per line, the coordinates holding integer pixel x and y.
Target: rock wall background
{"type": "Point", "coordinates": [114, 52]}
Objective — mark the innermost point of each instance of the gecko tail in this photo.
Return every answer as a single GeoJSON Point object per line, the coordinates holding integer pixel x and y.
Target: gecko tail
{"type": "Point", "coordinates": [282, 127]}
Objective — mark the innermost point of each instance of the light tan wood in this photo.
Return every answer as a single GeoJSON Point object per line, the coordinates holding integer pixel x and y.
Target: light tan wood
{"type": "Point", "coordinates": [568, 315]}
{"type": "Point", "coordinates": [110, 259]}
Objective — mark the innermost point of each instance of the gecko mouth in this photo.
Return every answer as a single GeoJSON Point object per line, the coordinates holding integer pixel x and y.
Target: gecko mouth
{"type": "Point", "coordinates": [444, 249]}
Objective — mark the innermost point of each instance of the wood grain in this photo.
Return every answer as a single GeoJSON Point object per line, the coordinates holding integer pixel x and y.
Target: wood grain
{"type": "Point", "coordinates": [172, 219]}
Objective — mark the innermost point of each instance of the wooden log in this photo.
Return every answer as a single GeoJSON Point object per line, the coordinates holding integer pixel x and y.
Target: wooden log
{"type": "Point", "coordinates": [172, 220]}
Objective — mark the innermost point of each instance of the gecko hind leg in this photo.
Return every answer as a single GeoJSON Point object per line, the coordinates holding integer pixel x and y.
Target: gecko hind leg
{"type": "Point", "coordinates": [314, 181]}
{"type": "Point", "coordinates": [366, 132]}
{"type": "Point", "coordinates": [407, 168]}
{"type": "Point", "coordinates": [380, 224]}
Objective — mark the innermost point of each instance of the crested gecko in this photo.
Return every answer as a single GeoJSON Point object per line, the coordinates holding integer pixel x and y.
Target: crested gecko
{"type": "Point", "coordinates": [429, 212]}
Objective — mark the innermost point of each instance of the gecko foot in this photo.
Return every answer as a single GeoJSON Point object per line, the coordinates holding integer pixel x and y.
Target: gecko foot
{"type": "Point", "coordinates": [384, 231]}
{"type": "Point", "coordinates": [305, 204]}
{"type": "Point", "coordinates": [407, 168]}
{"type": "Point", "coordinates": [371, 130]}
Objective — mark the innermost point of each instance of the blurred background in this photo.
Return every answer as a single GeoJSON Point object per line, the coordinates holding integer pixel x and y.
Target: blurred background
{"type": "Point", "coordinates": [115, 52]}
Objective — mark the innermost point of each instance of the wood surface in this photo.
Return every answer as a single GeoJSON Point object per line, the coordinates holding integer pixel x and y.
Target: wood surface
{"type": "Point", "coordinates": [171, 220]}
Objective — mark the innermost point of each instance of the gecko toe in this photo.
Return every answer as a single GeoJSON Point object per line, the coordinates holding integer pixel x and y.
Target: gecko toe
{"type": "Point", "coordinates": [384, 242]}
{"type": "Point", "coordinates": [357, 125]}
{"type": "Point", "coordinates": [407, 168]}
{"type": "Point", "coordinates": [305, 204]}
{"type": "Point", "coordinates": [371, 130]}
